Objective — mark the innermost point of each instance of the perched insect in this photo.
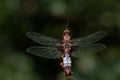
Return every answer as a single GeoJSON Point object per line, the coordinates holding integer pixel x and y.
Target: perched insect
{"type": "Point", "coordinates": [65, 48]}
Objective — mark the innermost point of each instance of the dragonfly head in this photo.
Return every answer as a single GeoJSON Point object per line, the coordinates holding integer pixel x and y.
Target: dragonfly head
{"type": "Point", "coordinates": [66, 31]}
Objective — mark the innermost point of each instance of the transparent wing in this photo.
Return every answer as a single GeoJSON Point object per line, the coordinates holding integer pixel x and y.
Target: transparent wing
{"type": "Point", "coordinates": [89, 39]}
{"type": "Point", "coordinates": [91, 49]}
{"type": "Point", "coordinates": [46, 52]}
{"type": "Point", "coordinates": [43, 40]}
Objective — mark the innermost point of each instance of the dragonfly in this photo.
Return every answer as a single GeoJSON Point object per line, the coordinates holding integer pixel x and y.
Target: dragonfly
{"type": "Point", "coordinates": [66, 48]}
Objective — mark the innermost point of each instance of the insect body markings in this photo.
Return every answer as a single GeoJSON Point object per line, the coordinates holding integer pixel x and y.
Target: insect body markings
{"type": "Point", "coordinates": [66, 64]}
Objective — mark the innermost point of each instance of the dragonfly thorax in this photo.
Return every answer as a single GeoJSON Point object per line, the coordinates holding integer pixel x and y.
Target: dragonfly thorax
{"type": "Point", "coordinates": [66, 47]}
{"type": "Point", "coordinates": [66, 51]}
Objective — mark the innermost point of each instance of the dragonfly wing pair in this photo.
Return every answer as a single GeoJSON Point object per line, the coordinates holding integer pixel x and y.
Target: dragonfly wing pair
{"type": "Point", "coordinates": [49, 48]}
{"type": "Point", "coordinates": [87, 44]}
{"type": "Point", "coordinates": [80, 46]}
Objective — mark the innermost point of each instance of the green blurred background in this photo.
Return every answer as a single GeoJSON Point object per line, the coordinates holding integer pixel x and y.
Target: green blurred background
{"type": "Point", "coordinates": [49, 17]}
